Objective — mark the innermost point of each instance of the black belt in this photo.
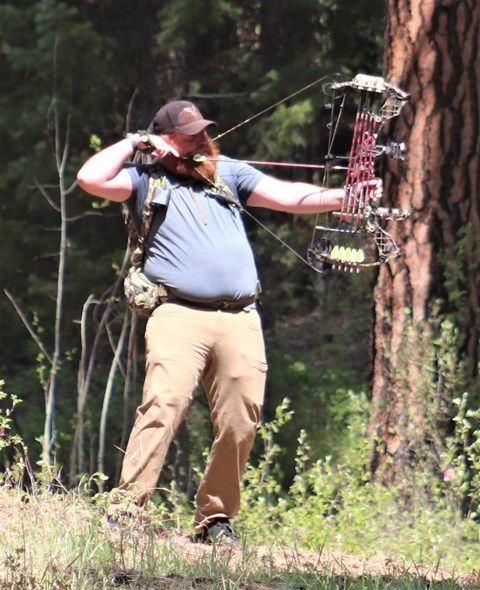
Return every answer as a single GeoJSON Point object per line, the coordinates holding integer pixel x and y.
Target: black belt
{"type": "Point", "coordinates": [235, 305]}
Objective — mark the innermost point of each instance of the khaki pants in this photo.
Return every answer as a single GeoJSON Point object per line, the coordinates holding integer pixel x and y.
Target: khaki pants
{"type": "Point", "coordinates": [225, 351]}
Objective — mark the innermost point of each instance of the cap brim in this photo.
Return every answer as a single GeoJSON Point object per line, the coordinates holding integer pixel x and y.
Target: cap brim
{"type": "Point", "coordinates": [195, 127]}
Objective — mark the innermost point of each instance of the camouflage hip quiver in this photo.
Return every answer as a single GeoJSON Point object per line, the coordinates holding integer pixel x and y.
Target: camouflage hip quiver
{"type": "Point", "coordinates": [142, 295]}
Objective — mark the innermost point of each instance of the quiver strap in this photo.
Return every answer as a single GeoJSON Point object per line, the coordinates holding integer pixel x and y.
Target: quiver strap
{"type": "Point", "coordinates": [136, 238]}
{"type": "Point", "coordinates": [142, 294]}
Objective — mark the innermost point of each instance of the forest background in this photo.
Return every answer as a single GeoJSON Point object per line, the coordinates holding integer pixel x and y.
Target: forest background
{"type": "Point", "coordinates": [76, 77]}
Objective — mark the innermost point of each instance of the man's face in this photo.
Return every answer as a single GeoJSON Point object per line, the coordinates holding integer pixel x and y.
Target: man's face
{"type": "Point", "coordinates": [186, 145]}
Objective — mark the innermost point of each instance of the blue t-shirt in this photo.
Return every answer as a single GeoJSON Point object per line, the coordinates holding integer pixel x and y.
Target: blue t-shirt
{"type": "Point", "coordinates": [197, 244]}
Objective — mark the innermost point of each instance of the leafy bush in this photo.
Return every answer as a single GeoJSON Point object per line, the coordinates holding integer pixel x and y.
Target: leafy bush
{"type": "Point", "coordinates": [341, 507]}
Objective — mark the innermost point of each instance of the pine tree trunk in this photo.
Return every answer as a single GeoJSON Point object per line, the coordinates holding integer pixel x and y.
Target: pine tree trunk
{"type": "Point", "coordinates": [432, 50]}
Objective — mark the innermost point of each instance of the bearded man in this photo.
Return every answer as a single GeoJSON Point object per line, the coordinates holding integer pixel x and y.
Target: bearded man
{"type": "Point", "coordinates": [208, 330]}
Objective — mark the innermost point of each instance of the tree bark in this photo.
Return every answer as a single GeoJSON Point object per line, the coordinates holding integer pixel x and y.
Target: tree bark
{"type": "Point", "coordinates": [432, 52]}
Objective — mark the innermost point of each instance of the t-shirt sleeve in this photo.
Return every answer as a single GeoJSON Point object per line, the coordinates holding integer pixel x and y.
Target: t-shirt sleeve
{"type": "Point", "coordinates": [136, 174]}
{"type": "Point", "coordinates": [243, 177]}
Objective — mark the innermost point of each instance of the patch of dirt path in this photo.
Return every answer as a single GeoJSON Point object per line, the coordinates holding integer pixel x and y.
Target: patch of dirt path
{"type": "Point", "coordinates": [331, 564]}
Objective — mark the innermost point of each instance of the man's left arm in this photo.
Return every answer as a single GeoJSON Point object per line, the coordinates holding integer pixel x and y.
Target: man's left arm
{"type": "Point", "coordinates": [301, 197]}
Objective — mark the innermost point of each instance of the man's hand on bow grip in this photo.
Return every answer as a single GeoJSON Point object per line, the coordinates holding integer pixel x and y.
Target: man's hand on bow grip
{"type": "Point", "coordinates": [376, 191]}
{"type": "Point", "coordinates": [372, 188]}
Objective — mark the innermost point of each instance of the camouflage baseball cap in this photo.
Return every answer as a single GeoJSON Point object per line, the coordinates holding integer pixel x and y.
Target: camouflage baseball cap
{"type": "Point", "coordinates": [181, 116]}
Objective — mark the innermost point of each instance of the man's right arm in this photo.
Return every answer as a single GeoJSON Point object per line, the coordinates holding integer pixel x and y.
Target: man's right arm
{"type": "Point", "coordinates": [104, 175]}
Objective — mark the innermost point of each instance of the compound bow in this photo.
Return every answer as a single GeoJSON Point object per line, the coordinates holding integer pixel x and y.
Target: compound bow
{"type": "Point", "coordinates": [337, 244]}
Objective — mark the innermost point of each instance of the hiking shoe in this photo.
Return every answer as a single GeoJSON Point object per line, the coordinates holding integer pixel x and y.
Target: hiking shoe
{"type": "Point", "coordinates": [218, 532]}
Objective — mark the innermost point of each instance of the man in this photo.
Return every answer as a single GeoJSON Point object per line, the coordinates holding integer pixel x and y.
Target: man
{"type": "Point", "coordinates": [209, 329]}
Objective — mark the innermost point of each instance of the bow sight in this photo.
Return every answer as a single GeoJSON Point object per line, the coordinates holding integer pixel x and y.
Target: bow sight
{"type": "Point", "coordinates": [340, 243]}
{"type": "Point", "coordinates": [393, 149]}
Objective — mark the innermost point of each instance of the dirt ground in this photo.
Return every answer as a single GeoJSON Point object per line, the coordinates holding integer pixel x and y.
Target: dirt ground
{"type": "Point", "coordinates": [331, 564]}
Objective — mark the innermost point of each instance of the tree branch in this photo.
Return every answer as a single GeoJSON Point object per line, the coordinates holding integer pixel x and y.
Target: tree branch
{"type": "Point", "coordinates": [50, 201]}
{"type": "Point", "coordinates": [71, 188]}
{"type": "Point", "coordinates": [109, 391]}
{"type": "Point", "coordinates": [130, 109]}
{"type": "Point", "coordinates": [31, 331]}
{"type": "Point", "coordinates": [215, 95]}
{"type": "Point", "coordinates": [86, 214]}
{"type": "Point", "coordinates": [66, 146]}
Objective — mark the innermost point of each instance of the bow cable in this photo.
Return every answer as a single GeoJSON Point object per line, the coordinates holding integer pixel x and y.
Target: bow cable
{"type": "Point", "coordinates": [293, 165]}
{"type": "Point", "coordinates": [331, 139]}
{"type": "Point", "coordinates": [252, 117]}
{"type": "Point", "coordinates": [260, 223]}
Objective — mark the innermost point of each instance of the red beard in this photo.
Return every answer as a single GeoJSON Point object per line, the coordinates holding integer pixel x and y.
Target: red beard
{"type": "Point", "coordinates": [188, 168]}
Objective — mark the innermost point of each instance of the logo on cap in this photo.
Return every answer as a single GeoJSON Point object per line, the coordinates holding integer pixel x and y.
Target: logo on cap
{"type": "Point", "coordinates": [187, 114]}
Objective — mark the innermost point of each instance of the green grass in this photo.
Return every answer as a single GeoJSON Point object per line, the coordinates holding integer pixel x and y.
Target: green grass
{"type": "Point", "coordinates": [59, 541]}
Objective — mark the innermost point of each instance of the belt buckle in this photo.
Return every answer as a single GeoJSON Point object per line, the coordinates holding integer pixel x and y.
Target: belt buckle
{"type": "Point", "coordinates": [223, 305]}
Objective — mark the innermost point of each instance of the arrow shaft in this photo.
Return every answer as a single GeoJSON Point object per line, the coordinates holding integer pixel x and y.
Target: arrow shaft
{"type": "Point", "coordinates": [278, 164]}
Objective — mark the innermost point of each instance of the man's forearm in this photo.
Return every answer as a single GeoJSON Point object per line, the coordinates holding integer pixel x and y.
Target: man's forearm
{"type": "Point", "coordinates": [105, 165]}
{"type": "Point", "coordinates": [295, 197]}
{"type": "Point", "coordinates": [302, 197]}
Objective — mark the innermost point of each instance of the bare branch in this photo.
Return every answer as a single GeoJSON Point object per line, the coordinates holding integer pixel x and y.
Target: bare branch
{"type": "Point", "coordinates": [86, 214]}
{"type": "Point", "coordinates": [57, 139]}
{"type": "Point", "coordinates": [109, 391]}
{"type": "Point", "coordinates": [86, 375]}
{"type": "Point", "coordinates": [49, 199]}
{"type": "Point", "coordinates": [113, 344]}
{"type": "Point", "coordinates": [101, 214]}
{"type": "Point", "coordinates": [71, 188]}
{"type": "Point", "coordinates": [49, 255]}
{"type": "Point", "coordinates": [49, 432]}
{"type": "Point", "coordinates": [82, 370]}
{"type": "Point", "coordinates": [66, 146]}
{"type": "Point", "coordinates": [213, 95]}
{"type": "Point", "coordinates": [130, 109]}
{"type": "Point", "coordinates": [78, 438]}
{"type": "Point", "coordinates": [56, 145]}
{"type": "Point", "coordinates": [25, 321]}
{"type": "Point", "coordinates": [131, 350]}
